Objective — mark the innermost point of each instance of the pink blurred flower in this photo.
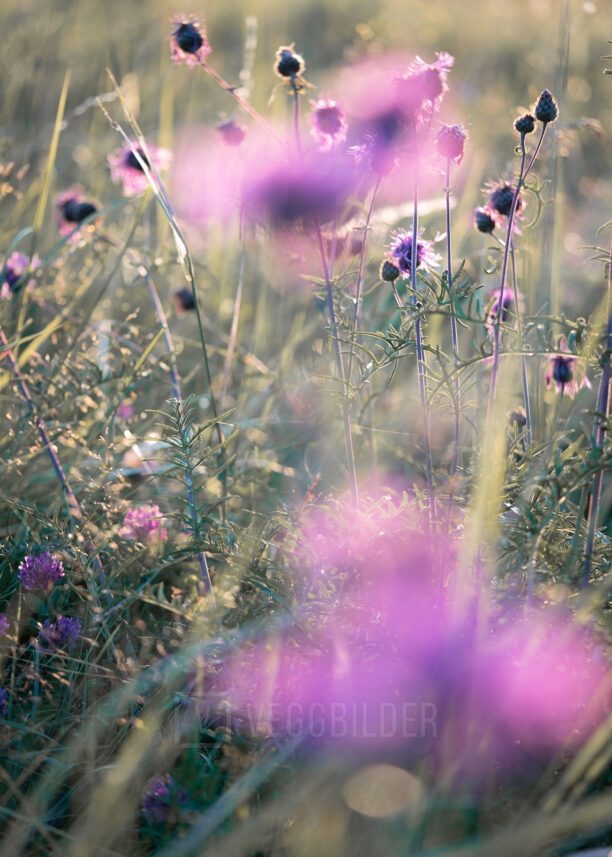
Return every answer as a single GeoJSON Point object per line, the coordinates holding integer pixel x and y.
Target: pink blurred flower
{"type": "Point", "coordinates": [72, 208]}
{"type": "Point", "coordinates": [509, 308]}
{"type": "Point", "coordinates": [450, 142]}
{"type": "Point", "coordinates": [566, 372]}
{"type": "Point", "coordinates": [15, 267]}
{"type": "Point", "coordinates": [188, 41]}
{"type": "Point", "coordinates": [143, 524]}
{"type": "Point", "coordinates": [232, 133]}
{"type": "Point", "coordinates": [5, 624]}
{"type": "Point", "coordinates": [127, 170]}
{"type": "Point", "coordinates": [328, 124]}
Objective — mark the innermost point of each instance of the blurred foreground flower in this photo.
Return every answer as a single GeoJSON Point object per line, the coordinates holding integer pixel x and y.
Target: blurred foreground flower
{"type": "Point", "coordinates": [450, 142]}
{"type": "Point", "coordinates": [328, 124]}
{"type": "Point", "coordinates": [565, 372]}
{"type": "Point", "coordinates": [62, 634]}
{"type": "Point", "coordinates": [17, 265]}
{"type": "Point", "coordinates": [188, 41]}
{"type": "Point", "coordinates": [40, 571]}
{"type": "Point", "coordinates": [162, 798]}
{"type": "Point", "coordinates": [143, 524]}
{"type": "Point", "coordinates": [127, 170]}
{"type": "Point", "coordinates": [72, 208]}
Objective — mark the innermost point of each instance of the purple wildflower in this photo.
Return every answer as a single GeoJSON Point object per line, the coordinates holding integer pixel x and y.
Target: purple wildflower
{"type": "Point", "coordinates": [17, 265]}
{"type": "Point", "coordinates": [289, 65]}
{"type": "Point", "coordinates": [5, 624]}
{"type": "Point", "coordinates": [4, 699]}
{"type": "Point", "coordinates": [72, 208]}
{"type": "Point", "coordinates": [162, 795]}
{"type": "Point", "coordinates": [143, 524]}
{"type": "Point", "coordinates": [484, 220]}
{"type": "Point", "coordinates": [127, 170]}
{"type": "Point", "coordinates": [188, 42]}
{"type": "Point", "coordinates": [232, 133]}
{"type": "Point", "coordinates": [328, 123]}
{"type": "Point", "coordinates": [62, 634]}
{"type": "Point", "coordinates": [509, 308]}
{"type": "Point", "coordinates": [40, 571]}
{"type": "Point", "coordinates": [450, 142]}
{"type": "Point", "coordinates": [125, 411]}
{"type": "Point", "coordinates": [565, 372]}
{"type": "Point", "coordinates": [183, 300]}
{"type": "Point", "coordinates": [525, 124]}
{"type": "Point", "coordinates": [424, 84]}
{"type": "Point", "coordinates": [500, 196]}
{"type": "Point", "coordinates": [401, 251]}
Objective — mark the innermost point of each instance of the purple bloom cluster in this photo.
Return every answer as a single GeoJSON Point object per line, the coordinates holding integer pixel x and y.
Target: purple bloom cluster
{"type": "Point", "coordinates": [161, 796]}
{"type": "Point", "coordinates": [16, 266]}
{"type": "Point", "coordinates": [62, 634]}
{"type": "Point", "coordinates": [40, 571]}
{"type": "Point", "coordinates": [143, 524]}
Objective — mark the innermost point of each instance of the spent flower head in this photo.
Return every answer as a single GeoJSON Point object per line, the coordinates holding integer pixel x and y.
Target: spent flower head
{"type": "Point", "coordinates": [188, 41]}
{"type": "Point", "coordinates": [62, 634]}
{"type": "Point", "coordinates": [400, 250]}
{"type": "Point", "coordinates": [328, 123]}
{"type": "Point", "coordinates": [40, 571]}
{"type": "Point", "coordinates": [127, 169]}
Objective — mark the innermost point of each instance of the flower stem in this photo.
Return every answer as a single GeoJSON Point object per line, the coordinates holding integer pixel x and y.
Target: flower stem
{"type": "Point", "coordinates": [599, 431]}
{"type": "Point", "coordinates": [519, 327]}
{"type": "Point", "coordinates": [454, 330]}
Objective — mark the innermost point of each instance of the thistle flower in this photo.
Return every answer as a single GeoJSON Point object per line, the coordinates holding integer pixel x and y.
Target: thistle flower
{"type": "Point", "coordinates": [546, 109]}
{"type": "Point", "coordinates": [508, 310]}
{"type": "Point", "coordinates": [565, 372]}
{"type": "Point", "coordinates": [71, 209]}
{"type": "Point", "coordinates": [525, 123]}
{"type": "Point", "coordinates": [162, 796]}
{"type": "Point", "coordinates": [450, 142]}
{"type": "Point", "coordinates": [143, 524]}
{"type": "Point", "coordinates": [484, 221]}
{"type": "Point", "coordinates": [328, 124]}
{"type": "Point", "coordinates": [125, 411]}
{"type": "Point", "coordinates": [424, 83]}
{"type": "Point", "coordinates": [518, 418]}
{"type": "Point", "coordinates": [62, 634]}
{"type": "Point", "coordinates": [5, 624]}
{"type": "Point", "coordinates": [500, 196]}
{"type": "Point", "coordinates": [17, 265]}
{"type": "Point", "coordinates": [377, 153]}
{"type": "Point", "coordinates": [188, 41]}
{"type": "Point", "coordinates": [401, 251]}
{"type": "Point", "coordinates": [40, 571]}
{"type": "Point", "coordinates": [389, 272]}
{"type": "Point", "coordinates": [127, 170]}
{"type": "Point", "coordinates": [232, 133]}
{"type": "Point", "coordinates": [183, 300]}
{"type": "Point", "coordinates": [289, 65]}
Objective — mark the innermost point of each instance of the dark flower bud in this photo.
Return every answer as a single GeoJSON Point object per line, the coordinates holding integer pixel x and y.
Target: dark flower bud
{"type": "Point", "coordinates": [546, 109]}
{"type": "Point", "coordinates": [450, 142]}
{"type": "Point", "coordinates": [183, 299]}
{"type": "Point", "coordinates": [231, 132]}
{"type": "Point", "coordinates": [75, 211]}
{"type": "Point", "coordinates": [483, 221]}
{"type": "Point", "coordinates": [188, 37]}
{"type": "Point", "coordinates": [525, 124]}
{"type": "Point", "coordinates": [501, 197]}
{"type": "Point", "coordinates": [389, 272]}
{"type": "Point", "coordinates": [287, 63]}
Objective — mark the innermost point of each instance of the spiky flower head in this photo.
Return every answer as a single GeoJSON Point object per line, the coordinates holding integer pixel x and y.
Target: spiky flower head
{"type": "Point", "coordinates": [5, 624]}
{"type": "Point", "coordinates": [62, 634]}
{"type": "Point", "coordinates": [184, 300]}
{"type": "Point", "coordinates": [126, 166]}
{"type": "Point", "coordinates": [328, 124]}
{"type": "Point", "coordinates": [450, 142]}
{"type": "Point", "coordinates": [40, 571]}
{"type": "Point", "coordinates": [509, 308]}
{"type": "Point", "coordinates": [288, 64]}
{"type": "Point", "coordinates": [162, 798]}
{"type": "Point", "coordinates": [565, 372]}
{"type": "Point", "coordinates": [143, 524]}
{"type": "Point", "coordinates": [401, 251]}
{"type": "Point", "coordinates": [484, 220]}
{"type": "Point", "coordinates": [525, 124]}
{"type": "Point", "coordinates": [11, 277]}
{"type": "Point", "coordinates": [72, 208]}
{"type": "Point", "coordinates": [546, 109]}
{"type": "Point", "coordinates": [424, 84]}
{"type": "Point", "coordinates": [188, 41]}
{"type": "Point", "coordinates": [499, 199]}
{"type": "Point", "coordinates": [389, 272]}
{"type": "Point", "coordinates": [232, 133]}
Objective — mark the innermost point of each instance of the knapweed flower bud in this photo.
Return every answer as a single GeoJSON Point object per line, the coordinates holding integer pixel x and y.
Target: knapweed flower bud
{"type": "Point", "coordinates": [288, 65]}
{"type": "Point", "coordinates": [183, 300]}
{"type": "Point", "coordinates": [483, 220]}
{"type": "Point", "coordinates": [546, 109]}
{"type": "Point", "coordinates": [450, 142]}
{"type": "Point", "coordinates": [389, 272]}
{"type": "Point", "coordinates": [500, 199]}
{"type": "Point", "coordinates": [72, 209]}
{"type": "Point", "coordinates": [525, 123]}
{"type": "Point", "coordinates": [188, 42]}
{"type": "Point", "coordinates": [232, 133]}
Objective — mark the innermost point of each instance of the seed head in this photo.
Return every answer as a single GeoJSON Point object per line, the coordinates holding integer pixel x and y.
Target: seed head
{"type": "Point", "coordinates": [525, 123]}
{"type": "Point", "coordinates": [546, 109]}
